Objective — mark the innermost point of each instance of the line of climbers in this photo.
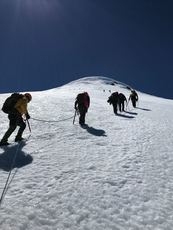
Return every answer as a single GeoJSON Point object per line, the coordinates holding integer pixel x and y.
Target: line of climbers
{"type": "Point", "coordinates": [16, 108]}
{"type": "Point", "coordinates": [117, 100]}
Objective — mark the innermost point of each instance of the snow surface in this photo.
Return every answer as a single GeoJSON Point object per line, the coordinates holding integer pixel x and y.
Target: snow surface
{"type": "Point", "coordinates": [117, 173]}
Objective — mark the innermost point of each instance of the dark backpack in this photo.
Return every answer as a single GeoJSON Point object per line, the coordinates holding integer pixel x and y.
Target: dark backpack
{"type": "Point", "coordinates": [80, 98]}
{"type": "Point", "coordinates": [83, 99]}
{"type": "Point", "coordinates": [10, 102]}
{"type": "Point", "coordinates": [113, 98]}
{"type": "Point", "coordinates": [134, 96]}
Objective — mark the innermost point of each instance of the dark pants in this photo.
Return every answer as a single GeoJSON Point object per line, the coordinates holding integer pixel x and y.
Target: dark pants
{"type": "Point", "coordinates": [121, 106]}
{"type": "Point", "coordinates": [134, 103]}
{"type": "Point", "coordinates": [82, 114]}
{"type": "Point", "coordinates": [115, 108]}
{"type": "Point", "coordinates": [15, 120]}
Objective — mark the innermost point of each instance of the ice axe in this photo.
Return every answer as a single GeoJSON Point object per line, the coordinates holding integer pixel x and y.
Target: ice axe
{"type": "Point", "coordinates": [74, 116]}
{"type": "Point", "coordinates": [76, 113]}
{"type": "Point", "coordinates": [28, 125]}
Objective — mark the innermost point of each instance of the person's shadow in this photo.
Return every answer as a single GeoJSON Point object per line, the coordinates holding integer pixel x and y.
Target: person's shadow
{"type": "Point", "coordinates": [94, 131]}
{"type": "Point", "coordinates": [131, 113]}
{"type": "Point", "coordinates": [14, 157]}
{"type": "Point", "coordinates": [143, 109]}
{"type": "Point", "coordinates": [124, 115]}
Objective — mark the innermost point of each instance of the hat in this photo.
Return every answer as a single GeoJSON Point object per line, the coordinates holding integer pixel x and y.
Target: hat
{"type": "Point", "coordinates": [28, 96]}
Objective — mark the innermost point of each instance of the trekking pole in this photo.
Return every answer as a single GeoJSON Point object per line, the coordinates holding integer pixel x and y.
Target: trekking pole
{"type": "Point", "coordinates": [28, 125]}
{"type": "Point", "coordinates": [74, 116]}
{"type": "Point", "coordinates": [127, 103]}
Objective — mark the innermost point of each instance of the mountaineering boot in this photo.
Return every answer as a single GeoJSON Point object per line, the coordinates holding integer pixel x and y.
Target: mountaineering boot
{"type": "Point", "coordinates": [3, 142]}
{"type": "Point", "coordinates": [17, 139]}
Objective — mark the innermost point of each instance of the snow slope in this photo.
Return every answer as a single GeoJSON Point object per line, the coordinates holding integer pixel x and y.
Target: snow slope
{"type": "Point", "coordinates": [116, 174]}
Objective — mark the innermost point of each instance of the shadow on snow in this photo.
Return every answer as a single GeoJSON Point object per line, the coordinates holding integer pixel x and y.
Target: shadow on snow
{"type": "Point", "coordinates": [124, 115]}
{"type": "Point", "coordinates": [94, 131]}
{"type": "Point", "coordinates": [7, 162]}
{"type": "Point", "coordinates": [132, 113]}
{"type": "Point", "coordinates": [143, 109]}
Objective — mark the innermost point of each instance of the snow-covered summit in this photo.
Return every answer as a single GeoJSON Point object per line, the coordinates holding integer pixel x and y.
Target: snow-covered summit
{"type": "Point", "coordinates": [96, 80]}
{"type": "Point", "coordinates": [115, 174]}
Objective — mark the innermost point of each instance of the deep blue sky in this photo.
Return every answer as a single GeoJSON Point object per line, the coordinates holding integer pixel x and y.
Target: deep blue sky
{"type": "Point", "coordinates": [47, 43]}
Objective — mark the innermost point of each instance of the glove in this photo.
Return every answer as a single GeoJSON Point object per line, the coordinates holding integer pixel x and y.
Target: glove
{"type": "Point", "coordinates": [27, 116]}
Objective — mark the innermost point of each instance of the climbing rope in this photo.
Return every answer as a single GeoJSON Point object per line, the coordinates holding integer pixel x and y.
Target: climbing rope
{"type": "Point", "coordinates": [9, 174]}
{"type": "Point", "coordinates": [15, 155]}
{"type": "Point", "coordinates": [8, 181]}
{"type": "Point", "coordinates": [50, 121]}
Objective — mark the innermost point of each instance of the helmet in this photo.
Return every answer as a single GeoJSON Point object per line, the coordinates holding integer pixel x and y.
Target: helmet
{"type": "Point", "coordinates": [28, 96]}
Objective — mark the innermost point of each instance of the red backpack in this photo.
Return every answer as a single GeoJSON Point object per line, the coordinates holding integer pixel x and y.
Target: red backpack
{"type": "Point", "coordinates": [83, 99]}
